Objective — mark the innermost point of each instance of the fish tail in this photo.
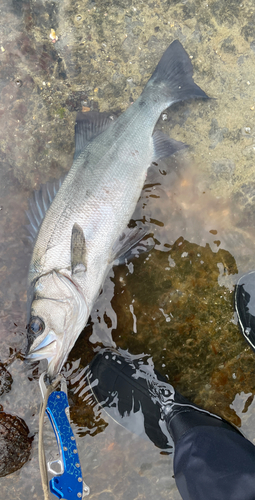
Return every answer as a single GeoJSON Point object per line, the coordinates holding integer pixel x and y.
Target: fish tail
{"type": "Point", "coordinates": [172, 79]}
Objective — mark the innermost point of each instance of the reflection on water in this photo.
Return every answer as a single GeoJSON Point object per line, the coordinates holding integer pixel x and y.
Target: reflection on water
{"type": "Point", "coordinates": [174, 303]}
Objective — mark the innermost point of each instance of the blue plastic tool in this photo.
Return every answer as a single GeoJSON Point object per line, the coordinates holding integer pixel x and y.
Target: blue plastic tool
{"type": "Point", "coordinates": [68, 483]}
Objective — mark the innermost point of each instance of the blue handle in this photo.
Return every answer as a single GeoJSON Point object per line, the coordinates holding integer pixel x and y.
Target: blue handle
{"type": "Point", "coordinates": [68, 485]}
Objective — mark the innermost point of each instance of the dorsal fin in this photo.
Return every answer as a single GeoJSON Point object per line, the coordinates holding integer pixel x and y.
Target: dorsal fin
{"type": "Point", "coordinates": [88, 126]}
{"type": "Point", "coordinates": [39, 204]}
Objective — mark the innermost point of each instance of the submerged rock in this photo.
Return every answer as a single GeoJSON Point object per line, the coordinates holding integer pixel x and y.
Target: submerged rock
{"type": "Point", "coordinates": [15, 443]}
{"type": "Point", "coordinates": [5, 380]}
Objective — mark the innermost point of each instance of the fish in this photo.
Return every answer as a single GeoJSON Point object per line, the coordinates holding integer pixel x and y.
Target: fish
{"type": "Point", "coordinates": [79, 223]}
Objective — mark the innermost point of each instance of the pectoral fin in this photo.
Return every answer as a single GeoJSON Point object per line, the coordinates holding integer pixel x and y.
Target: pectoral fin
{"type": "Point", "coordinates": [78, 250]}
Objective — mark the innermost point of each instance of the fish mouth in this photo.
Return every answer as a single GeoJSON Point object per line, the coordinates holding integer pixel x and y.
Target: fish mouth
{"type": "Point", "coordinates": [47, 349]}
{"type": "Point", "coordinates": [55, 347]}
{"type": "Point", "coordinates": [54, 350]}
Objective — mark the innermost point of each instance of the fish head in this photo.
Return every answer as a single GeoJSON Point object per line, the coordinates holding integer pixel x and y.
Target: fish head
{"type": "Point", "coordinates": [58, 314]}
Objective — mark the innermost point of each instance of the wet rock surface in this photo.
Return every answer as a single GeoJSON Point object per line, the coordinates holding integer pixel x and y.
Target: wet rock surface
{"type": "Point", "coordinates": [15, 443]}
{"type": "Point", "coordinates": [5, 380]}
{"type": "Point", "coordinates": [175, 303]}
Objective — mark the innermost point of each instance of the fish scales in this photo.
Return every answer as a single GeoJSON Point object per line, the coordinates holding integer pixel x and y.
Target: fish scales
{"type": "Point", "coordinates": [74, 248]}
{"type": "Point", "coordinates": [107, 181]}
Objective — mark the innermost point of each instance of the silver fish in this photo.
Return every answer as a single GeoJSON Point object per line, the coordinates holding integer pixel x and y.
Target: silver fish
{"type": "Point", "coordinates": [80, 234]}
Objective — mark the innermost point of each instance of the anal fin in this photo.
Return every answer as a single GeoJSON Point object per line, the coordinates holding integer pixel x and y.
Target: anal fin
{"type": "Point", "coordinates": [130, 244]}
{"type": "Point", "coordinates": [164, 146]}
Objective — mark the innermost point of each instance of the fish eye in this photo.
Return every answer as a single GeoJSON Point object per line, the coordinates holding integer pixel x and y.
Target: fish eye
{"type": "Point", "coordinates": [36, 325]}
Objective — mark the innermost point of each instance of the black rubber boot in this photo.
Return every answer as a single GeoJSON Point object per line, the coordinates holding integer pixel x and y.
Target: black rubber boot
{"type": "Point", "coordinates": [245, 306]}
{"type": "Point", "coordinates": [127, 383]}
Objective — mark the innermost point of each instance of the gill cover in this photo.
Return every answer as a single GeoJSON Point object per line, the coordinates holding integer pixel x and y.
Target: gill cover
{"type": "Point", "coordinates": [58, 314]}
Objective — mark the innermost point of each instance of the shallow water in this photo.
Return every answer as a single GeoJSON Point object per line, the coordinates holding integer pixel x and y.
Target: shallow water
{"type": "Point", "coordinates": [176, 302]}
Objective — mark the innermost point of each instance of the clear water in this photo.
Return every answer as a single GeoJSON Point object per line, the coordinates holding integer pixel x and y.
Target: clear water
{"type": "Point", "coordinates": [175, 303]}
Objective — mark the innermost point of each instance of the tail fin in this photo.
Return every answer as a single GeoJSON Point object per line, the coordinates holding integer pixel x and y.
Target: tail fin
{"type": "Point", "coordinates": [175, 71]}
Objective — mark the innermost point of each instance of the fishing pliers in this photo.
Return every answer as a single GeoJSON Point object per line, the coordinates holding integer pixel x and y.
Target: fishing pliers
{"type": "Point", "coordinates": [68, 483]}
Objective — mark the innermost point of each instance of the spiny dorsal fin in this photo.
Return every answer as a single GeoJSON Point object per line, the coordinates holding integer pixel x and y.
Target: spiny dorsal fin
{"type": "Point", "coordinates": [78, 250]}
{"type": "Point", "coordinates": [88, 126]}
{"type": "Point", "coordinates": [39, 204]}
